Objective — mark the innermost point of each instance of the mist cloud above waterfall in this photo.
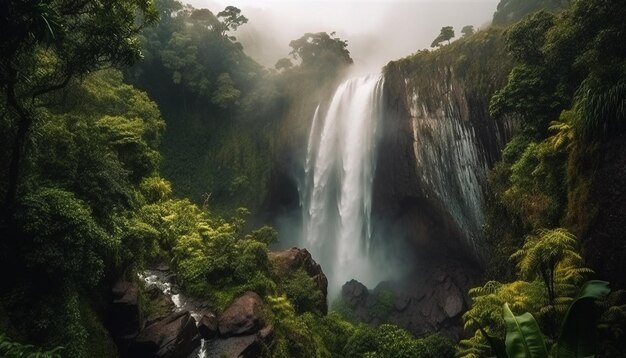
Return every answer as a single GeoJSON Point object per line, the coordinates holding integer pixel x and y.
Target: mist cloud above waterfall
{"type": "Point", "coordinates": [377, 31]}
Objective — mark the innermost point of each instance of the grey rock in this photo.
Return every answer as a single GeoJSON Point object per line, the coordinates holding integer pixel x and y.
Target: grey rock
{"type": "Point", "coordinates": [244, 316]}
{"type": "Point", "coordinates": [171, 337]}
{"type": "Point", "coordinates": [208, 326]}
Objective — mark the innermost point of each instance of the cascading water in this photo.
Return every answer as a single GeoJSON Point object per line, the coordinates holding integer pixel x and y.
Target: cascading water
{"type": "Point", "coordinates": [336, 195]}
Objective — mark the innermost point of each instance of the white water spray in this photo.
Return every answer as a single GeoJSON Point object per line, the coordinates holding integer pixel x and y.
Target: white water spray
{"type": "Point", "coordinates": [339, 173]}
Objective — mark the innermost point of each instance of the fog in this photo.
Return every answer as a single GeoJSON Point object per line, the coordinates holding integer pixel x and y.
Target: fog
{"type": "Point", "coordinates": [376, 31]}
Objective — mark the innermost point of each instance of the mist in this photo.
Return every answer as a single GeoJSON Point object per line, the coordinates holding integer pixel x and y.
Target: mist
{"type": "Point", "coordinates": [377, 31]}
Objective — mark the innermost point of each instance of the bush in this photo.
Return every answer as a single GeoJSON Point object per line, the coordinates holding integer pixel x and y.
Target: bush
{"type": "Point", "coordinates": [302, 291]}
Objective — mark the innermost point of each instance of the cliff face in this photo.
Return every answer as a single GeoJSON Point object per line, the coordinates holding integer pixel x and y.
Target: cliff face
{"type": "Point", "coordinates": [437, 145]}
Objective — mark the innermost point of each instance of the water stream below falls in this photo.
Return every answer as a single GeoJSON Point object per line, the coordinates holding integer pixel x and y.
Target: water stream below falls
{"type": "Point", "coordinates": [163, 279]}
{"type": "Point", "coordinates": [336, 193]}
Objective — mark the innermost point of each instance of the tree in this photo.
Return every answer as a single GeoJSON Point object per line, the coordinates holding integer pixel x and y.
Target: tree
{"type": "Point", "coordinates": [283, 64]}
{"type": "Point", "coordinates": [45, 44]}
{"type": "Point", "coordinates": [446, 34]}
{"type": "Point", "coordinates": [321, 50]}
{"type": "Point", "coordinates": [231, 18]}
{"type": "Point", "coordinates": [551, 256]}
{"type": "Point", "coordinates": [467, 30]}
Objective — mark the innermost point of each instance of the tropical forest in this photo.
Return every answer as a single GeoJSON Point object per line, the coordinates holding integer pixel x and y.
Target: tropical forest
{"type": "Point", "coordinates": [312, 178]}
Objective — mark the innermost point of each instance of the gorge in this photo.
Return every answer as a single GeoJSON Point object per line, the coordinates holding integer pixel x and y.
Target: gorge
{"type": "Point", "coordinates": [172, 186]}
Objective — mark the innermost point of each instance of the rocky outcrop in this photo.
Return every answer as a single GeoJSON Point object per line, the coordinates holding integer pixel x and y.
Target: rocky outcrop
{"type": "Point", "coordinates": [243, 316]}
{"type": "Point", "coordinates": [241, 329]}
{"type": "Point", "coordinates": [161, 305]}
{"type": "Point", "coordinates": [171, 337]}
{"type": "Point", "coordinates": [354, 293]}
{"type": "Point", "coordinates": [246, 346]}
{"type": "Point", "coordinates": [163, 333]}
{"type": "Point", "coordinates": [434, 301]}
{"type": "Point", "coordinates": [208, 326]}
{"type": "Point", "coordinates": [289, 261]}
{"type": "Point", "coordinates": [125, 317]}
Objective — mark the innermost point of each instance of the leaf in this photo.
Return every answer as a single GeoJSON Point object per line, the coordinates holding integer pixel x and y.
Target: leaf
{"type": "Point", "coordinates": [497, 345]}
{"type": "Point", "coordinates": [523, 336]}
{"type": "Point", "coordinates": [578, 332]}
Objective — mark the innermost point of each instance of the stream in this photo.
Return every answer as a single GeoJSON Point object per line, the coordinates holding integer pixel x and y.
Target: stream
{"type": "Point", "coordinates": [162, 277]}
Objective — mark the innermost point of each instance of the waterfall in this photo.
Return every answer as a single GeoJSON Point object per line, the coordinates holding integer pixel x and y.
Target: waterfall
{"type": "Point", "coordinates": [336, 195]}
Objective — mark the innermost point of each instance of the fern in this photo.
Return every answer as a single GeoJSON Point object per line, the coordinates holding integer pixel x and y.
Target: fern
{"type": "Point", "coordinates": [11, 349]}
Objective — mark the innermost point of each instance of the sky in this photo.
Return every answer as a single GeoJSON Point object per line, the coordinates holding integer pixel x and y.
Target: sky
{"type": "Point", "coordinates": [377, 31]}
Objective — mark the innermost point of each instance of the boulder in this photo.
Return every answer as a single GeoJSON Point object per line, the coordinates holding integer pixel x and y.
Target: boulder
{"type": "Point", "coordinates": [246, 346]}
{"type": "Point", "coordinates": [171, 337]}
{"type": "Point", "coordinates": [161, 304]}
{"type": "Point", "coordinates": [291, 260]}
{"type": "Point", "coordinates": [244, 316]}
{"type": "Point", "coordinates": [433, 302]}
{"type": "Point", "coordinates": [354, 293]}
{"type": "Point", "coordinates": [125, 318]}
{"type": "Point", "coordinates": [208, 326]}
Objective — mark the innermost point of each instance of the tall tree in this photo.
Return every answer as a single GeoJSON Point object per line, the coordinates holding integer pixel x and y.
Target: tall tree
{"type": "Point", "coordinates": [446, 34]}
{"type": "Point", "coordinates": [320, 50]}
{"type": "Point", "coordinates": [231, 18]}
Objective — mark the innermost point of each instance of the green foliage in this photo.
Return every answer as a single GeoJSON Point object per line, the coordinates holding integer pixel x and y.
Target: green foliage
{"type": "Point", "coordinates": [100, 141]}
{"type": "Point", "coordinates": [467, 30]}
{"type": "Point", "coordinates": [231, 18]}
{"type": "Point", "coordinates": [321, 51]}
{"type": "Point", "coordinates": [383, 304]}
{"type": "Point", "coordinates": [551, 262]}
{"type": "Point", "coordinates": [220, 106]}
{"type": "Point", "coordinates": [553, 257]}
{"type": "Point", "coordinates": [446, 34]}
{"type": "Point", "coordinates": [576, 339]}
{"type": "Point", "coordinates": [510, 11]}
{"type": "Point", "coordinates": [601, 107]}
{"type": "Point", "coordinates": [225, 94]}
{"type": "Point", "coordinates": [391, 341]}
{"type": "Point", "coordinates": [523, 337]}
{"type": "Point", "coordinates": [11, 349]}
{"type": "Point", "coordinates": [333, 331]}
{"type": "Point", "coordinates": [212, 259]}
{"type": "Point", "coordinates": [294, 337]}
{"type": "Point", "coordinates": [44, 46]}
{"type": "Point", "coordinates": [303, 293]}
{"type": "Point", "coordinates": [64, 242]}
{"type": "Point", "coordinates": [435, 346]}
{"type": "Point", "coordinates": [525, 95]}
{"type": "Point", "coordinates": [526, 39]}
{"type": "Point", "coordinates": [93, 140]}
{"type": "Point", "coordinates": [526, 192]}
{"type": "Point", "coordinates": [485, 314]}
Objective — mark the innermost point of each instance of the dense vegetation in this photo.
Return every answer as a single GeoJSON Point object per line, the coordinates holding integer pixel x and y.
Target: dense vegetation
{"type": "Point", "coordinates": [566, 90]}
{"type": "Point", "coordinates": [84, 202]}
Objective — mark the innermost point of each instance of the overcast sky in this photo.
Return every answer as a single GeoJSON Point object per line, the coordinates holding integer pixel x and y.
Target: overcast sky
{"type": "Point", "coordinates": [377, 31]}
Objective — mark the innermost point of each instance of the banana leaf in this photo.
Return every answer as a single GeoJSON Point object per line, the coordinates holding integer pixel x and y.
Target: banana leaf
{"type": "Point", "coordinates": [523, 336]}
{"type": "Point", "coordinates": [578, 336]}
